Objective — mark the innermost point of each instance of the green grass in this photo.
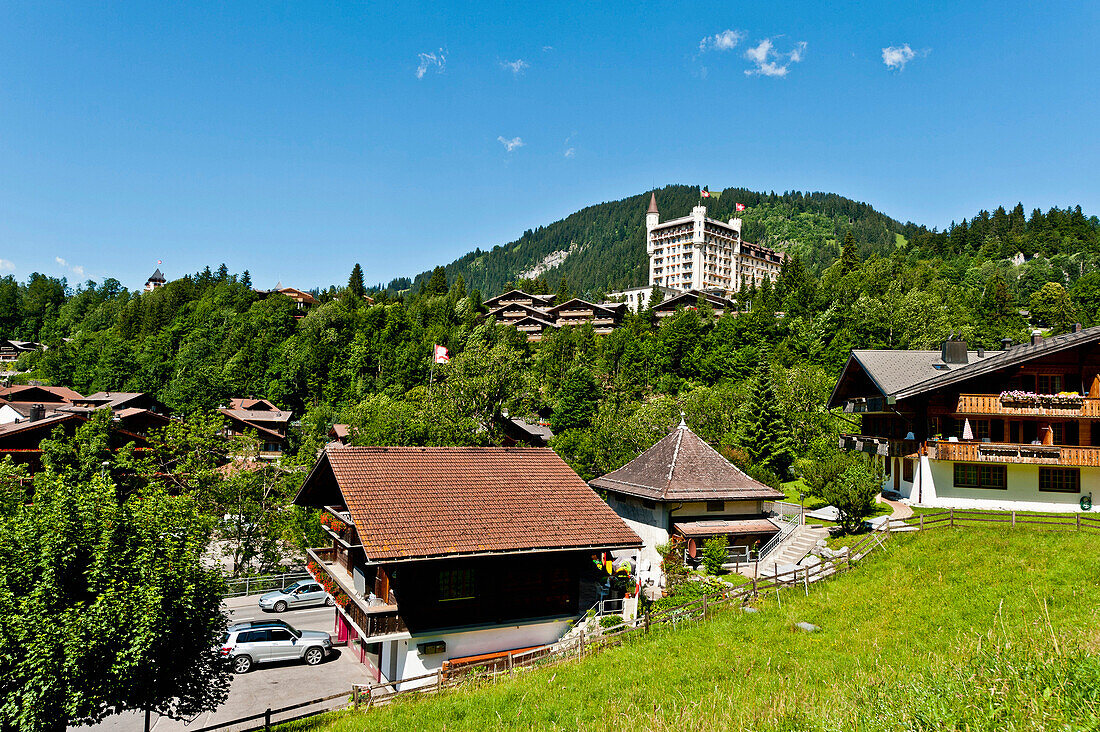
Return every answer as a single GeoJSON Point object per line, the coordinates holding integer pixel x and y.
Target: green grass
{"type": "Point", "coordinates": [986, 628]}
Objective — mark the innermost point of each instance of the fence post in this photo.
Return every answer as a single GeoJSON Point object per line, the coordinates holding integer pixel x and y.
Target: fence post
{"type": "Point", "coordinates": [511, 662]}
{"type": "Point", "coordinates": [1013, 519]}
{"type": "Point", "coordinates": [646, 621]}
{"type": "Point", "coordinates": [246, 580]}
{"type": "Point", "coordinates": [952, 518]}
{"type": "Point", "coordinates": [704, 607]}
{"type": "Point", "coordinates": [267, 720]}
{"type": "Point", "coordinates": [922, 522]}
{"type": "Point", "coordinates": [1078, 522]}
{"type": "Point", "coordinates": [806, 581]}
{"type": "Point", "coordinates": [439, 678]}
{"type": "Point", "coordinates": [580, 646]}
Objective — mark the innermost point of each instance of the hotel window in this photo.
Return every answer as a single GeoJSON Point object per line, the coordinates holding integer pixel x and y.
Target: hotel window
{"type": "Point", "coordinates": [970, 475]}
{"type": "Point", "coordinates": [1048, 384]}
{"type": "Point", "coordinates": [1060, 480]}
{"type": "Point", "coordinates": [456, 584]}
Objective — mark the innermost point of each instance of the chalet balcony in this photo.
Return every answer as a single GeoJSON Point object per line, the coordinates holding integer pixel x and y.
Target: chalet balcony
{"type": "Point", "coordinates": [1002, 452]}
{"type": "Point", "coordinates": [1028, 405]}
{"type": "Point", "coordinates": [879, 445]}
{"type": "Point", "coordinates": [372, 620]}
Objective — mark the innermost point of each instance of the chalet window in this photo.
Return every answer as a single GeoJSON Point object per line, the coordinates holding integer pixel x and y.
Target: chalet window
{"type": "Point", "coordinates": [648, 504]}
{"type": "Point", "coordinates": [1058, 434]}
{"type": "Point", "coordinates": [1060, 480]}
{"type": "Point", "coordinates": [907, 470]}
{"type": "Point", "coordinates": [888, 463]}
{"type": "Point", "coordinates": [713, 506]}
{"type": "Point", "coordinates": [969, 475]}
{"type": "Point", "coordinates": [1048, 384]}
{"type": "Point", "coordinates": [981, 429]}
{"type": "Point", "coordinates": [1071, 433]}
{"type": "Point", "coordinates": [456, 584]}
{"type": "Point", "coordinates": [997, 430]}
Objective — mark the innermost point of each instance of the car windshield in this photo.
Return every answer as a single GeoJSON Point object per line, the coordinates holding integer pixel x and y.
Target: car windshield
{"type": "Point", "coordinates": [291, 588]}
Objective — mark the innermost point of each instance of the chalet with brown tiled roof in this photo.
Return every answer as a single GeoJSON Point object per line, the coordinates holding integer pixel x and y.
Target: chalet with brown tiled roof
{"type": "Point", "coordinates": [17, 403]}
{"type": "Point", "coordinates": [446, 552]}
{"type": "Point", "coordinates": [262, 418]}
{"type": "Point", "coordinates": [11, 350]}
{"type": "Point", "coordinates": [690, 300]}
{"type": "Point", "coordinates": [603, 318]}
{"type": "Point", "coordinates": [22, 440]}
{"type": "Point", "coordinates": [682, 487]}
{"type": "Point", "coordinates": [133, 410]}
{"type": "Point", "coordinates": [536, 314]}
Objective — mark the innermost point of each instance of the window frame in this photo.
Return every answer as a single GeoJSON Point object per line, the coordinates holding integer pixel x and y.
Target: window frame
{"type": "Point", "coordinates": [457, 584]}
{"type": "Point", "coordinates": [983, 476]}
{"type": "Point", "coordinates": [1049, 472]}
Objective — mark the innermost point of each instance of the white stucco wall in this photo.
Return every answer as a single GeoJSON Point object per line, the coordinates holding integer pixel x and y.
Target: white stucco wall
{"type": "Point", "coordinates": [936, 487]}
{"type": "Point", "coordinates": [9, 415]}
{"type": "Point", "coordinates": [462, 643]}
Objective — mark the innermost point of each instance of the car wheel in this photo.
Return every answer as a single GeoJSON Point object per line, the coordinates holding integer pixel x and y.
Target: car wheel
{"type": "Point", "coordinates": [241, 664]}
{"type": "Point", "coordinates": [329, 601]}
{"type": "Point", "coordinates": [280, 606]}
{"type": "Point", "coordinates": [314, 656]}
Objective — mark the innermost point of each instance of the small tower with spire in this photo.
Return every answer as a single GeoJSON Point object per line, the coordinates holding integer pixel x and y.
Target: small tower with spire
{"type": "Point", "coordinates": [155, 280]}
{"type": "Point", "coordinates": [652, 218]}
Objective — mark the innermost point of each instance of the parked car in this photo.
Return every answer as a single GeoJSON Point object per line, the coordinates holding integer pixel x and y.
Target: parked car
{"type": "Point", "coordinates": [246, 644]}
{"type": "Point", "coordinates": [300, 594]}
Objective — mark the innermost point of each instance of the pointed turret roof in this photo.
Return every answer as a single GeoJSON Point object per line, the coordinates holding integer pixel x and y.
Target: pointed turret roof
{"type": "Point", "coordinates": [653, 203]}
{"type": "Point", "coordinates": [683, 467]}
{"type": "Point", "coordinates": [156, 276]}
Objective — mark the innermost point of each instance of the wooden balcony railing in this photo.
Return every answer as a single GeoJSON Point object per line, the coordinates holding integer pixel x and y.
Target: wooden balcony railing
{"type": "Point", "coordinates": [372, 620]}
{"type": "Point", "coordinates": [879, 445]}
{"type": "Point", "coordinates": [1000, 452]}
{"type": "Point", "coordinates": [992, 404]}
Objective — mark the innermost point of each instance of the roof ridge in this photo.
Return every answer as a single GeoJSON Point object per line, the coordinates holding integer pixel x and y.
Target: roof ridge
{"type": "Point", "coordinates": [675, 455]}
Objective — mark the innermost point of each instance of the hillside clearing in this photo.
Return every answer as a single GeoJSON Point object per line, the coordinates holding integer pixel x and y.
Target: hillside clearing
{"type": "Point", "coordinates": [989, 628]}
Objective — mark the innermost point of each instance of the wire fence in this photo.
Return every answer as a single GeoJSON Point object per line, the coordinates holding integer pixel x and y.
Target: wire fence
{"type": "Point", "coordinates": [240, 586]}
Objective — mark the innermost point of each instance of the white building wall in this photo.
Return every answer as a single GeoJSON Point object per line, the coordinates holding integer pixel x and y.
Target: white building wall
{"type": "Point", "coordinates": [401, 660]}
{"type": "Point", "coordinates": [934, 486]}
{"type": "Point", "coordinates": [9, 415]}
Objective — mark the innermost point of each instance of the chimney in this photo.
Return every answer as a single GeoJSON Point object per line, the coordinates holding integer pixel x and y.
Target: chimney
{"type": "Point", "coordinates": [37, 412]}
{"type": "Point", "coordinates": [954, 352]}
{"type": "Point", "coordinates": [981, 352]}
{"type": "Point", "coordinates": [1036, 337]}
{"type": "Point", "coordinates": [1077, 328]}
{"type": "Point", "coordinates": [1006, 343]}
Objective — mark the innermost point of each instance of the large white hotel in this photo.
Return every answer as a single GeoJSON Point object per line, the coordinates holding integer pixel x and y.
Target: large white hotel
{"type": "Point", "coordinates": [698, 253]}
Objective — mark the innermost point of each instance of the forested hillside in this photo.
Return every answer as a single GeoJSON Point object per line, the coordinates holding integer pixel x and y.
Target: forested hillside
{"type": "Point", "coordinates": [610, 237]}
{"type": "Point", "coordinates": [207, 337]}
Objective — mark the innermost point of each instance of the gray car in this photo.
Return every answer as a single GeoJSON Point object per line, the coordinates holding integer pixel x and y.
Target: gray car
{"type": "Point", "coordinates": [246, 644]}
{"type": "Point", "coordinates": [300, 594]}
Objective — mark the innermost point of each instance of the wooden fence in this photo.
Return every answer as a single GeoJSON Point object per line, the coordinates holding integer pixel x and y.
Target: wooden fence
{"type": "Point", "coordinates": [700, 609]}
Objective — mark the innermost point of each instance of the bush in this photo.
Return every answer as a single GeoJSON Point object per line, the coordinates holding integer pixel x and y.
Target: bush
{"type": "Point", "coordinates": [686, 592]}
{"type": "Point", "coordinates": [610, 621]}
{"type": "Point", "coordinates": [714, 554]}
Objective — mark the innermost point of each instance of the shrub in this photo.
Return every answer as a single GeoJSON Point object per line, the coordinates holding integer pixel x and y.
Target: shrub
{"type": "Point", "coordinates": [610, 621]}
{"type": "Point", "coordinates": [714, 554]}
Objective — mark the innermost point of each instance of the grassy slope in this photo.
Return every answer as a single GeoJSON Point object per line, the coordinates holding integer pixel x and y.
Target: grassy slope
{"type": "Point", "coordinates": [900, 619]}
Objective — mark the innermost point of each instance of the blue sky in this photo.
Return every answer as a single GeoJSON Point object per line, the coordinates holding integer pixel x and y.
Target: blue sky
{"type": "Point", "coordinates": [295, 139]}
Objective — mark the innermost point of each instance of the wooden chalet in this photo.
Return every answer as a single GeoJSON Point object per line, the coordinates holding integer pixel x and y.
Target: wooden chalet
{"type": "Point", "coordinates": [11, 350]}
{"type": "Point", "coordinates": [521, 298]}
{"type": "Point", "coordinates": [603, 318]}
{"type": "Point", "coordinates": [682, 487]}
{"type": "Point", "coordinates": [534, 431]}
{"type": "Point", "coordinates": [18, 403]}
{"type": "Point", "coordinates": [133, 410]}
{"type": "Point", "coordinates": [22, 440]}
{"type": "Point", "coordinates": [690, 299]}
{"type": "Point", "coordinates": [1017, 428]}
{"type": "Point", "coordinates": [441, 553]}
{"type": "Point", "coordinates": [262, 418]}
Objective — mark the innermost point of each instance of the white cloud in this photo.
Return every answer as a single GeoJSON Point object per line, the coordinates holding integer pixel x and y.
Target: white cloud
{"type": "Point", "coordinates": [570, 152]}
{"type": "Point", "coordinates": [727, 40]}
{"type": "Point", "coordinates": [770, 62]}
{"type": "Point", "coordinates": [895, 57]}
{"type": "Point", "coordinates": [6, 265]}
{"type": "Point", "coordinates": [547, 48]}
{"type": "Point", "coordinates": [512, 144]}
{"type": "Point", "coordinates": [516, 67]}
{"type": "Point", "coordinates": [76, 269]}
{"type": "Point", "coordinates": [438, 60]}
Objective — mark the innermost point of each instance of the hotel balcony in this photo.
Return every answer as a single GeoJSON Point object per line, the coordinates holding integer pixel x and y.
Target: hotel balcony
{"type": "Point", "coordinates": [1001, 452]}
{"type": "Point", "coordinates": [879, 445]}
{"type": "Point", "coordinates": [370, 620]}
{"type": "Point", "coordinates": [1038, 405]}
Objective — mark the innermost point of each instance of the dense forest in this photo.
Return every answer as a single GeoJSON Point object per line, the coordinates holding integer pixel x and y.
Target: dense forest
{"type": "Point", "coordinates": [206, 337]}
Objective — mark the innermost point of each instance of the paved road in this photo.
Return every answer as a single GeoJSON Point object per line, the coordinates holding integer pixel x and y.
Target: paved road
{"type": "Point", "coordinates": [267, 685]}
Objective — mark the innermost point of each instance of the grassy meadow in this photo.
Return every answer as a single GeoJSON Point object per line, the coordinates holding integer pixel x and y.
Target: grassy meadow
{"type": "Point", "coordinates": [978, 628]}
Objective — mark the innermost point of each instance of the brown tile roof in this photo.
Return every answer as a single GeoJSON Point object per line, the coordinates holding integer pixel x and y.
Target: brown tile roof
{"type": "Point", "coordinates": [718, 527]}
{"type": "Point", "coordinates": [683, 467]}
{"type": "Point", "coordinates": [420, 502]}
{"type": "Point", "coordinates": [26, 393]}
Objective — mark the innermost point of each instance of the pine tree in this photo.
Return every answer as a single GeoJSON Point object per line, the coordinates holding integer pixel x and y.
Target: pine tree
{"type": "Point", "coordinates": [246, 279]}
{"type": "Point", "coordinates": [563, 292]}
{"type": "Point", "coordinates": [848, 258]}
{"type": "Point", "coordinates": [764, 436]}
{"type": "Point", "coordinates": [656, 296]}
{"type": "Point", "coordinates": [355, 283]}
{"type": "Point", "coordinates": [437, 285]}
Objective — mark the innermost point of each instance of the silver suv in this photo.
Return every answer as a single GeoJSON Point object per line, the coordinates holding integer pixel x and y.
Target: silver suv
{"type": "Point", "coordinates": [248, 643]}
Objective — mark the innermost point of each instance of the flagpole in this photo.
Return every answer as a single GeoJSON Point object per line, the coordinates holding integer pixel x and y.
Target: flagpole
{"type": "Point", "coordinates": [431, 375]}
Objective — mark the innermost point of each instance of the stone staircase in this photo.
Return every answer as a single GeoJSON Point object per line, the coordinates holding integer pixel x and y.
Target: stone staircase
{"type": "Point", "coordinates": [790, 551]}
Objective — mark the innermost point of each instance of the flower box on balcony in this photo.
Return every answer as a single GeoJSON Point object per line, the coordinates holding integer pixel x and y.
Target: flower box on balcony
{"type": "Point", "coordinates": [1063, 400]}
